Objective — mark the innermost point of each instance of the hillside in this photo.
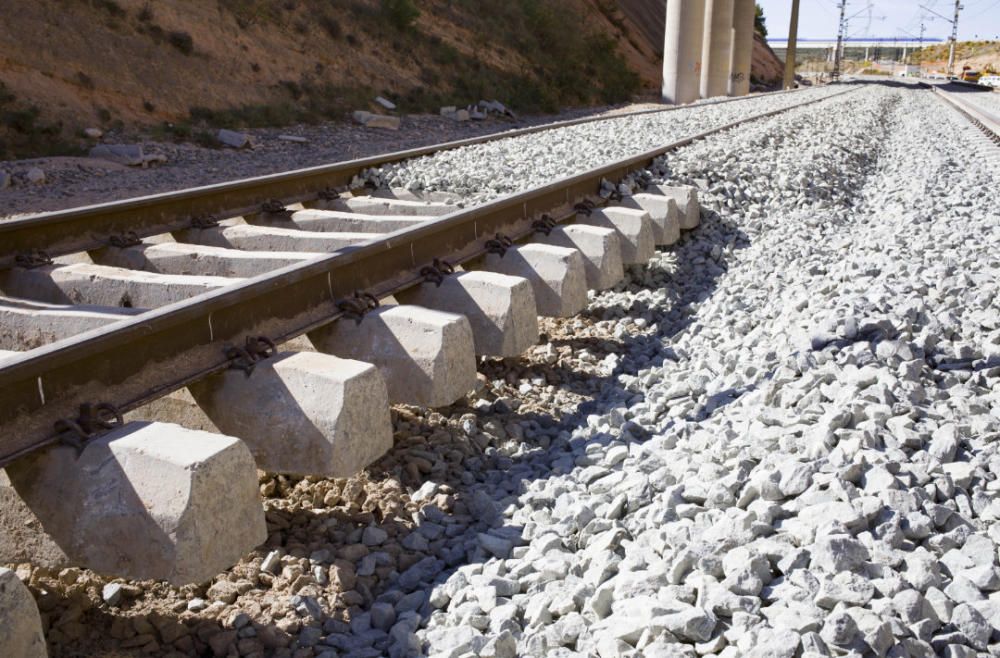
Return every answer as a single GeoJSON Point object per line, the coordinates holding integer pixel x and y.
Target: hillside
{"type": "Point", "coordinates": [980, 55]}
{"type": "Point", "coordinates": [178, 66]}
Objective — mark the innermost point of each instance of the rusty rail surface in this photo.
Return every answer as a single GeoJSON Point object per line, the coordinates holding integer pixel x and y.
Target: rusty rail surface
{"type": "Point", "coordinates": [132, 362]}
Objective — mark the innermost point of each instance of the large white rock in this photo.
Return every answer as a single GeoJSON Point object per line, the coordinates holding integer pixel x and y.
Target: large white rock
{"type": "Point", "coordinates": [304, 413]}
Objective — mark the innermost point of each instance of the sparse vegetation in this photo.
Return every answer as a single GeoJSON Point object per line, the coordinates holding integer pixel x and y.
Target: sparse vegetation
{"type": "Point", "coordinates": [402, 14]}
{"type": "Point", "coordinates": [23, 134]}
{"type": "Point", "coordinates": [759, 21]}
{"type": "Point", "coordinates": [182, 41]}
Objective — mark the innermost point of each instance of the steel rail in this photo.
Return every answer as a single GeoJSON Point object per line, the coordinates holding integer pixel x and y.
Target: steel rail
{"type": "Point", "coordinates": [135, 361]}
{"type": "Point", "coordinates": [90, 227]}
{"type": "Point", "coordinates": [987, 123]}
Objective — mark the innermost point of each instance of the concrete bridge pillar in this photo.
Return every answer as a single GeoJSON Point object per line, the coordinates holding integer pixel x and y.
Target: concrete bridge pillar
{"type": "Point", "coordinates": [682, 50]}
{"type": "Point", "coordinates": [742, 56]}
{"type": "Point", "coordinates": [716, 48]}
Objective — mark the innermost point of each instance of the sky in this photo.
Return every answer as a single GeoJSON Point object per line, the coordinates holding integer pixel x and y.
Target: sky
{"type": "Point", "coordinates": [890, 18]}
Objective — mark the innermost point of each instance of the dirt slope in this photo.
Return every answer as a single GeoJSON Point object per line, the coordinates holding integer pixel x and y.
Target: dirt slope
{"type": "Point", "coordinates": [101, 62]}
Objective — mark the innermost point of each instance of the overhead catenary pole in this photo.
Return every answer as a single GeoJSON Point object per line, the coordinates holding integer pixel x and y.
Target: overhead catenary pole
{"type": "Point", "coordinates": [838, 55]}
{"type": "Point", "coordinates": [954, 39]}
{"type": "Point", "coordinates": [793, 33]}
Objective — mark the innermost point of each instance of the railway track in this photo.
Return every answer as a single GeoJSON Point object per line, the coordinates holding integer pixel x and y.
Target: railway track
{"type": "Point", "coordinates": [986, 121]}
{"type": "Point", "coordinates": [140, 316]}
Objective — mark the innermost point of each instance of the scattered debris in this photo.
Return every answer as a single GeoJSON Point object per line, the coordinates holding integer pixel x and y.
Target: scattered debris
{"type": "Point", "coordinates": [293, 138]}
{"type": "Point", "coordinates": [126, 154]}
{"type": "Point", "coordinates": [35, 176]}
{"type": "Point", "coordinates": [94, 133]}
{"type": "Point", "coordinates": [233, 139]}
{"type": "Point", "coordinates": [386, 103]}
{"type": "Point", "coordinates": [370, 120]}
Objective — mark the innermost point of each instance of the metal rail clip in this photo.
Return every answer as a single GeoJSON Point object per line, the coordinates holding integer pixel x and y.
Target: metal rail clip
{"type": "Point", "coordinates": [126, 239]}
{"type": "Point", "coordinates": [94, 420]}
{"type": "Point", "coordinates": [204, 221]}
{"type": "Point", "coordinates": [499, 245]}
{"type": "Point", "coordinates": [32, 259]}
{"type": "Point", "coordinates": [585, 207]}
{"type": "Point", "coordinates": [356, 307]}
{"type": "Point", "coordinates": [246, 358]}
{"type": "Point", "coordinates": [328, 194]}
{"type": "Point", "coordinates": [544, 225]}
{"type": "Point", "coordinates": [275, 207]}
{"type": "Point", "coordinates": [436, 272]}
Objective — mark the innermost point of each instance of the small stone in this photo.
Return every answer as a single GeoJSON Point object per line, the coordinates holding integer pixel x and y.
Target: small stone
{"type": "Point", "coordinates": [497, 546]}
{"type": "Point", "coordinates": [295, 139]}
{"type": "Point", "coordinates": [971, 623]}
{"type": "Point", "coordinates": [385, 102]}
{"type": "Point", "coordinates": [272, 563]}
{"type": "Point", "coordinates": [196, 605]}
{"type": "Point", "coordinates": [35, 176]}
{"type": "Point", "coordinates": [370, 120]}
{"type": "Point", "coordinates": [224, 591]}
{"type": "Point", "coordinates": [93, 133]}
{"type": "Point", "coordinates": [383, 616]}
{"type": "Point", "coordinates": [840, 629]}
{"type": "Point", "coordinates": [374, 536]}
{"type": "Point", "coordinates": [112, 594]}
{"type": "Point", "coordinates": [834, 553]}
{"type": "Point", "coordinates": [234, 139]}
{"type": "Point", "coordinates": [426, 490]}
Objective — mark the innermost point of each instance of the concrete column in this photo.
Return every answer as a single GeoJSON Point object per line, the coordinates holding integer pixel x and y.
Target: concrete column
{"type": "Point", "coordinates": [501, 309]}
{"type": "Point", "coordinates": [426, 357]}
{"type": "Point", "coordinates": [634, 227]}
{"type": "Point", "coordinates": [682, 42]}
{"type": "Point", "coordinates": [716, 48]}
{"type": "Point", "coordinates": [742, 57]}
{"type": "Point", "coordinates": [83, 283]}
{"type": "Point", "coordinates": [601, 249]}
{"type": "Point", "coordinates": [557, 275]}
{"type": "Point", "coordinates": [20, 624]}
{"type": "Point", "coordinates": [303, 413]}
{"type": "Point", "coordinates": [147, 501]}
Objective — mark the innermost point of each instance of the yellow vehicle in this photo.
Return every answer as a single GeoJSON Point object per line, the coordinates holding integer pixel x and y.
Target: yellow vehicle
{"type": "Point", "coordinates": [968, 75]}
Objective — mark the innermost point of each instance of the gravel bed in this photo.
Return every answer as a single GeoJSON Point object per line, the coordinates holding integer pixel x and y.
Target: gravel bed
{"type": "Point", "coordinates": [483, 172]}
{"type": "Point", "coordinates": [76, 181]}
{"type": "Point", "coordinates": [802, 459]}
{"type": "Point", "coordinates": [988, 102]}
{"type": "Point", "coordinates": [777, 439]}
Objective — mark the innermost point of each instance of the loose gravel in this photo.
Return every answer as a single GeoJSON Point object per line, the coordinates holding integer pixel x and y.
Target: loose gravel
{"type": "Point", "coordinates": [484, 172]}
{"type": "Point", "coordinates": [777, 439]}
